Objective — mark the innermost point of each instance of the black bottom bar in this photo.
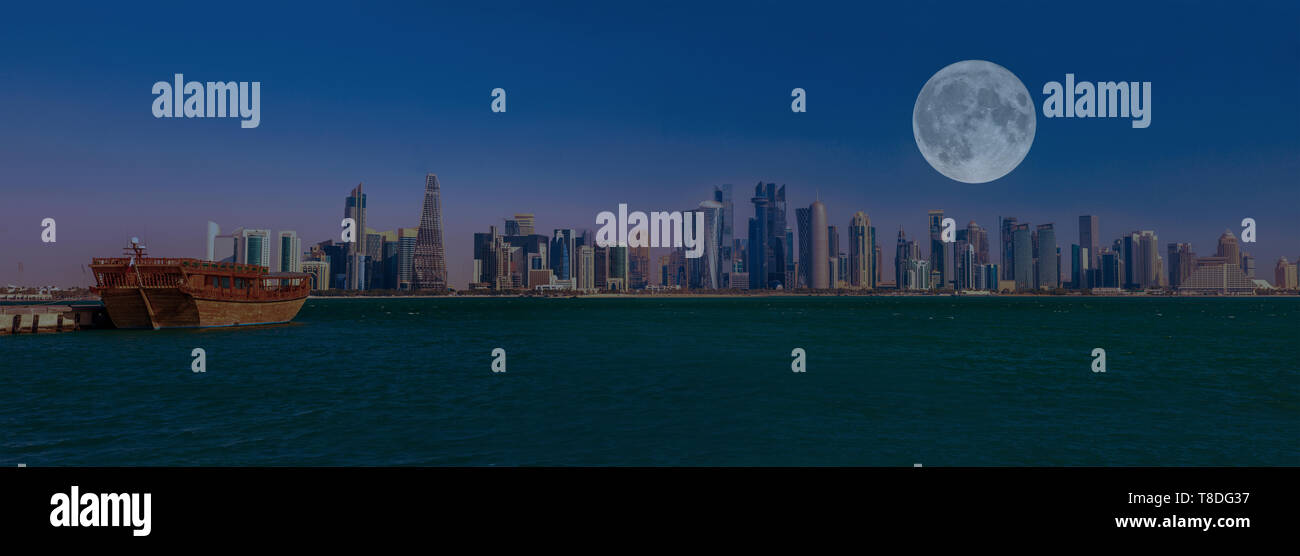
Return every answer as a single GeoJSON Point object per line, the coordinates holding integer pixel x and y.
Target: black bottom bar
{"type": "Point", "coordinates": [420, 504]}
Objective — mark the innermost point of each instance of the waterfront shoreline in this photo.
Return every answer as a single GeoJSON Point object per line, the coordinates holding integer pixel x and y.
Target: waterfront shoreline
{"type": "Point", "coordinates": [801, 295]}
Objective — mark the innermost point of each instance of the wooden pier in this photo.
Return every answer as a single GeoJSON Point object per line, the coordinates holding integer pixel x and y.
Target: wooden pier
{"type": "Point", "coordinates": [52, 317]}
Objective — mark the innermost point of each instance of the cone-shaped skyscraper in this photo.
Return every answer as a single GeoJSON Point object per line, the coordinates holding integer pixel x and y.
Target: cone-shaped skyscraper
{"type": "Point", "coordinates": [430, 259]}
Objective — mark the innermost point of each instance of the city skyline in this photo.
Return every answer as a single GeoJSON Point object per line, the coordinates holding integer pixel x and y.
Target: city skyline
{"type": "Point", "coordinates": [270, 243]}
{"type": "Point", "coordinates": [627, 115]}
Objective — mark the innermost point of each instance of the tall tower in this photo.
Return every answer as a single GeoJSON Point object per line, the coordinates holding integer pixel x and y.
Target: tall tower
{"type": "Point", "coordinates": [1149, 246]}
{"type": "Point", "coordinates": [1023, 260]}
{"type": "Point", "coordinates": [1048, 271]}
{"type": "Point", "coordinates": [760, 248]}
{"type": "Point", "coordinates": [290, 252]}
{"type": "Point", "coordinates": [430, 259]}
{"type": "Point", "coordinates": [712, 237]}
{"type": "Point", "coordinates": [722, 194]}
{"type": "Point", "coordinates": [861, 251]}
{"type": "Point", "coordinates": [978, 238]}
{"type": "Point", "coordinates": [253, 247]}
{"type": "Point", "coordinates": [355, 208]}
{"type": "Point", "coordinates": [820, 269]}
{"type": "Point", "coordinates": [902, 254]}
{"type": "Point", "coordinates": [803, 219]}
{"type": "Point", "coordinates": [562, 253]}
{"type": "Point", "coordinates": [213, 231]}
{"type": "Point", "coordinates": [937, 251]}
{"type": "Point", "coordinates": [1088, 238]}
{"type": "Point", "coordinates": [1007, 228]}
{"type": "Point", "coordinates": [833, 249]}
{"type": "Point", "coordinates": [406, 238]}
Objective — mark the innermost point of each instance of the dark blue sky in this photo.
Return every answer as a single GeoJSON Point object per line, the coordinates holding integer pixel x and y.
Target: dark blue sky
{"type": "Point", "coordinates": [648, 104]}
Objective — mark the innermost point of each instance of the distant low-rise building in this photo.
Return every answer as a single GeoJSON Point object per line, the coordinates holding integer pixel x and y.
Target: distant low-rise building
{"type": "Point", "coordinates": [1215, 275]}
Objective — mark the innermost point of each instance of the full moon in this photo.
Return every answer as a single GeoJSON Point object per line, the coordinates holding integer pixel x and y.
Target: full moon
{"type": "Point", "coordinates": [974, 121]}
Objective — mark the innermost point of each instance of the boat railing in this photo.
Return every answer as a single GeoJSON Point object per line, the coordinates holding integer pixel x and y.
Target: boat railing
{"type": "Point", "coordinates": [190, 265]}
{"type": "Point", "coordinates": [131, 280]}
{"type": "Point", "coordinates": [146, 261]}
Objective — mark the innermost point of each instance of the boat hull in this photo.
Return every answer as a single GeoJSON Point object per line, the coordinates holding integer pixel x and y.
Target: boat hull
{"type": "Point", "coordinates": [173, 308]}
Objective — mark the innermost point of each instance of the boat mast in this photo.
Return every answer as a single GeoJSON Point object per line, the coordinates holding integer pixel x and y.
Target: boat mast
{"type": "Point", "coordinates": [137, 253]}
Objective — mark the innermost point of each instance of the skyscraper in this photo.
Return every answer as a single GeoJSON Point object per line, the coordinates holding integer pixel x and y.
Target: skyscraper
{"type": "Point", "coordinates": [1149, 260]}
{"type": "Point", "coordinates": [803, 219]}
{"type": "Point", "coordinates": [585, 268]}
{"type": "Point", "coordinates": [392, 250]}
{"type": "Point", "coordinates": [902, 252]}
{"type": "Point", "coordinates": [1182, 262]}
{"type": "Point", "coordinates": [430, 259]}
{"type": "Point", "coordinates": [1228, 248]}
{"type": "Point", "coordinates": [820, 269]}
{"type": "Point", "coordinates": [876, 261]}
{"type": "Point", "coordinates": [726, 248]}
{"type": "Point", "coordinates": [777, 216]}
{"type": "Point", "coordinates": [1129, 246]}
{"type": "Point", "coordinates": [1023, 258]}
{"type": "Point", "coordinates": [561, 253]}
{"type": "Point", "coordinates": [760, 249]}
{"type": "Point", "coordinates": [965, 269]}
{"type": "Point", "coordinates": [861, 251]}
{"type": "Point", "coordinates": [482, 257]}
{"type": "Point", "coordinates": [788, 279]}
{"type": "Point", "coordinates": [770, 246]}
{"type": "Point", "coordinates": [560, 256]}
{"type": "Point", "coordinates": [1088, 238]}
{"type": "Point", "coordinates": [501, 267]}
{"type": "Point", "coordinates": [1110, 273]}
{"type": "Point", "coordinates": [712, 237]}
{"type": "Point", "coordinates": [520, 225]}
{"type": "Point", "coordinates": [946, 274]}
{"type": "Point", "coordinates": [841, 270]}
{"type": "Point", "coordinates": [253, 247]}
{"type": "Point", "coordinates": [354, 207]}
{"type": "Point", "coordinates": [937, 251]}
{"type": "Point", "coordinates": [617, 268]}
{"type": "Point", "coordinates": [213, 231]}
{"type": "Point", "coordinates": [1006, 227]}
{"type": "Point", "coordinates": [1048, 269]}
{"type": "Point", "coordinates": [638, 266]}
{"type": "Point", "coordinates": [374, 261]}
{"type": "Point", "coordinates": [406, 238]}
{"type": "Point", "coordinates": [978, 238]}
{"type": "Point", "coordinates": [833, 249]}
{"type": "Point", "coordinates": [290, 252]}
{"type": "Point", "coordinates": [1284, 275]}
{"type": "Point", "coordinates": [600, 272]}
{"type": "Point", "coordinates": [1080, 266]}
